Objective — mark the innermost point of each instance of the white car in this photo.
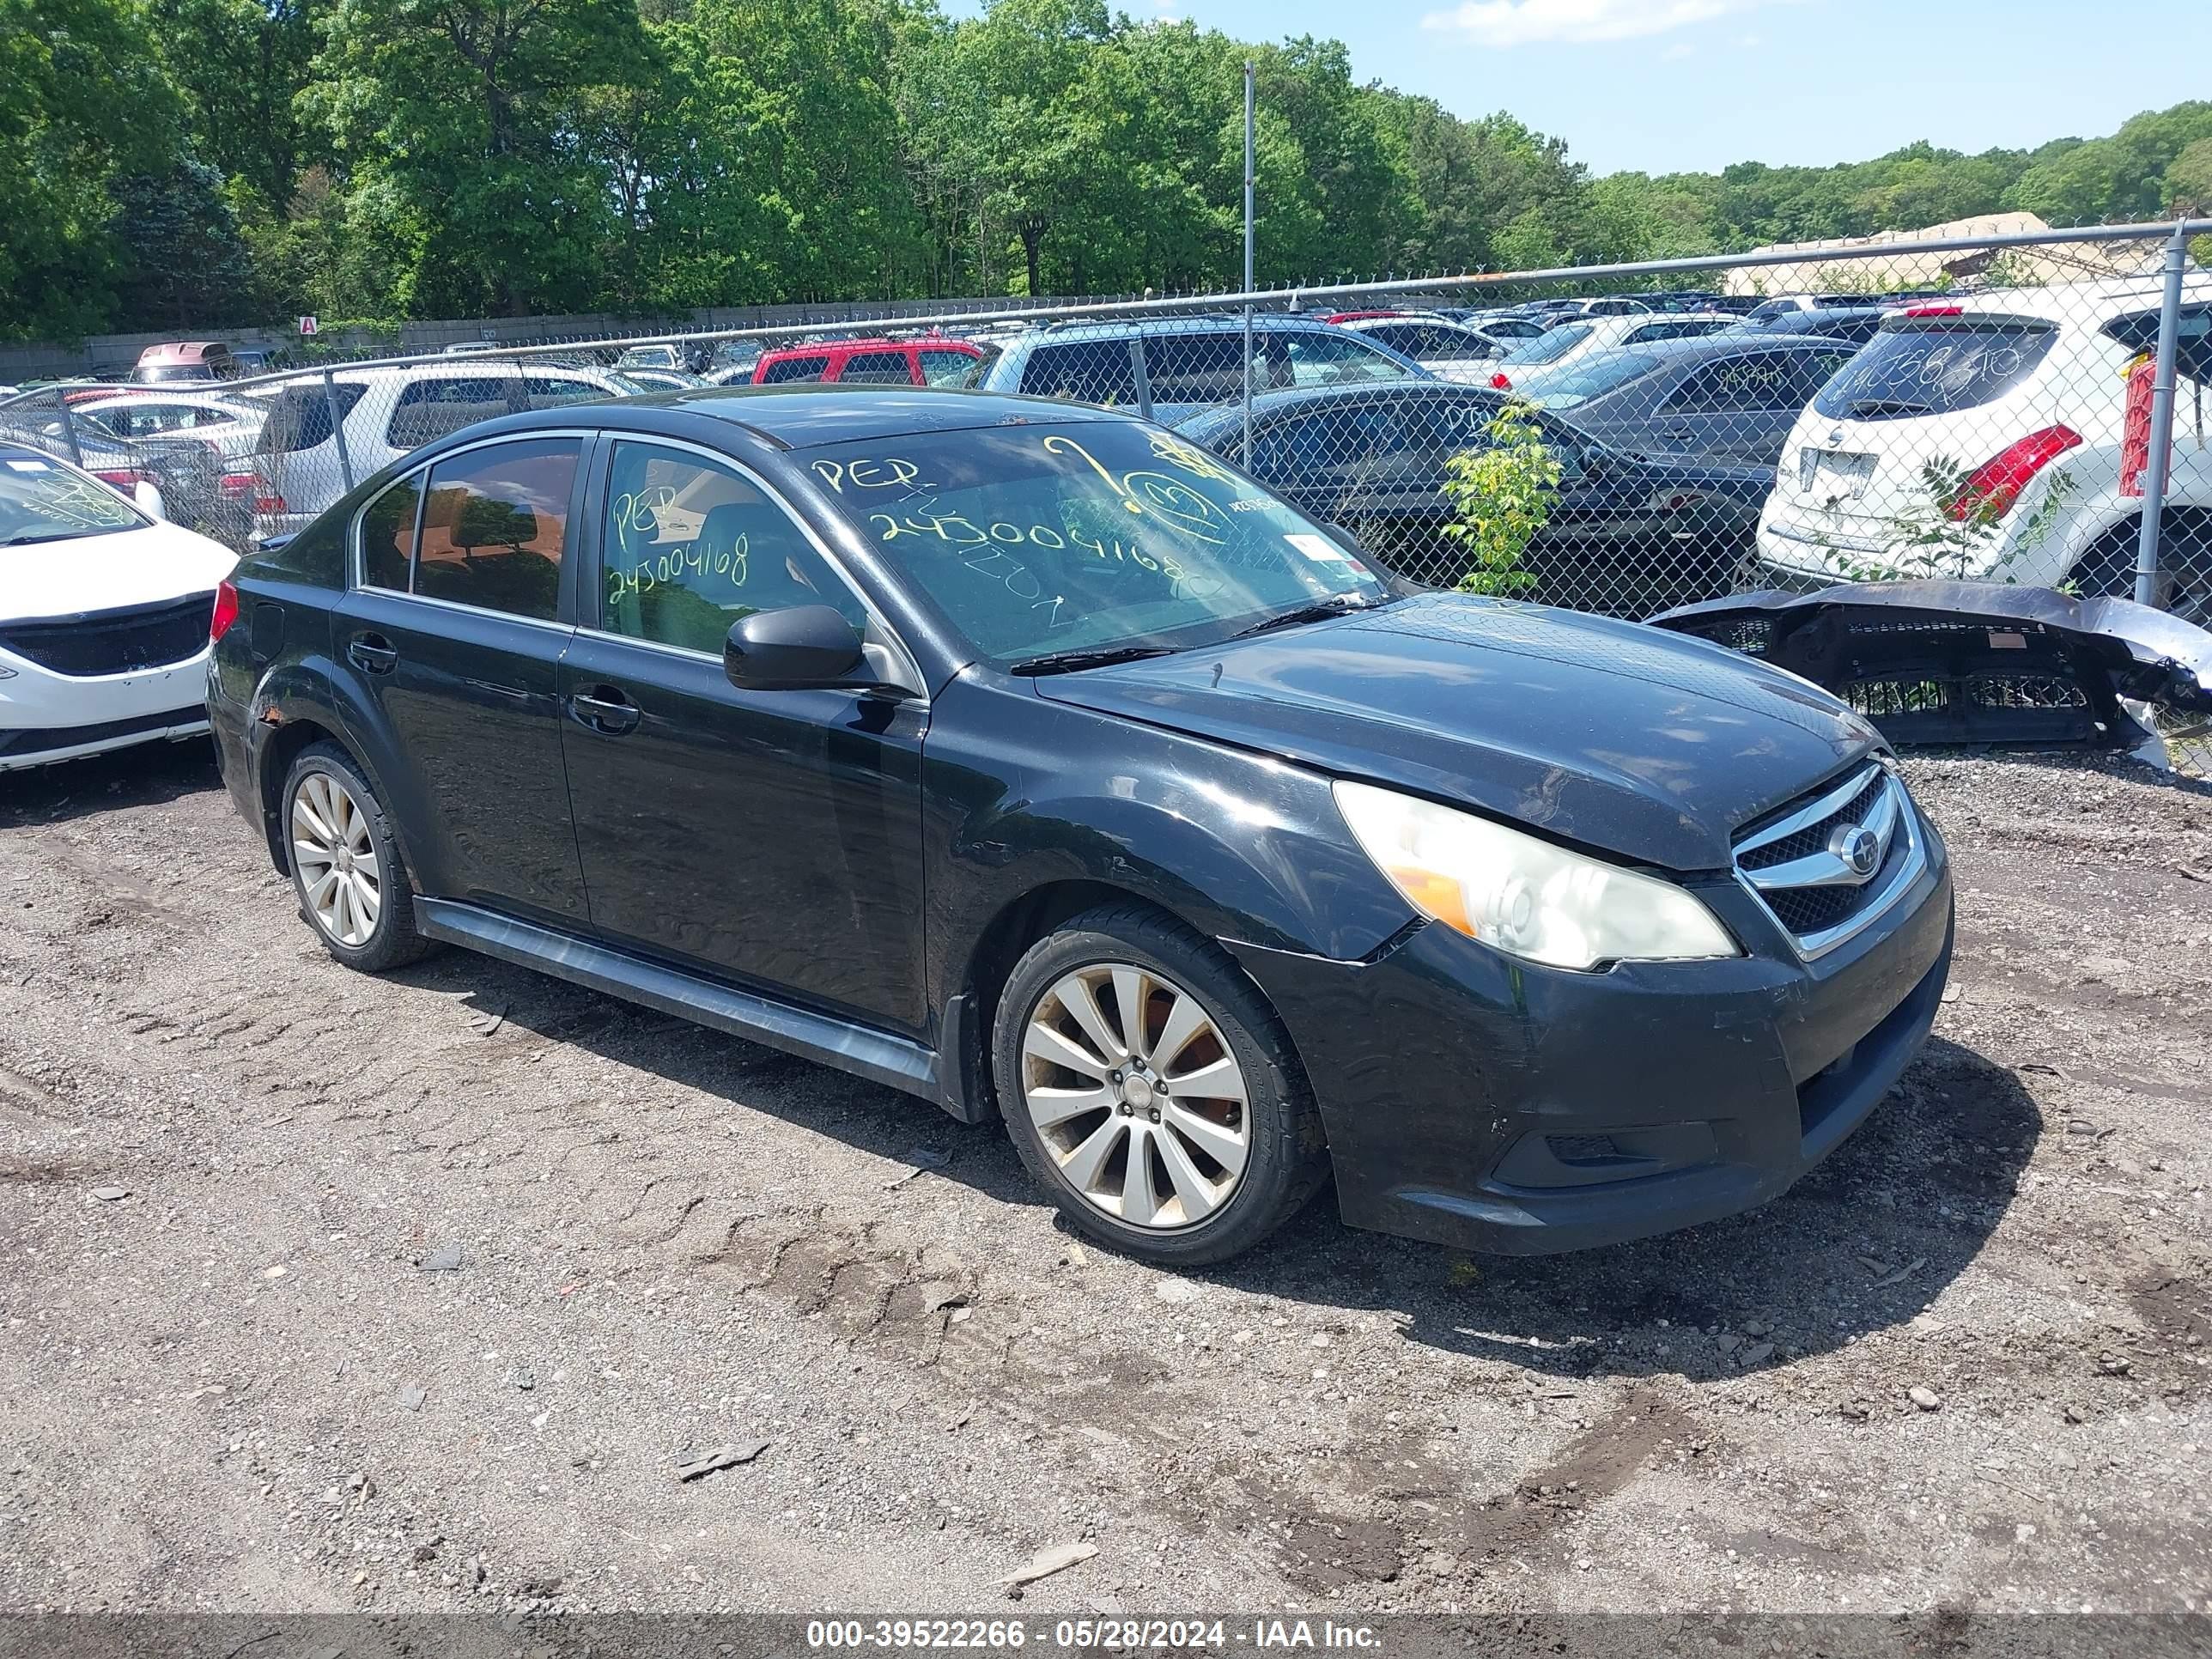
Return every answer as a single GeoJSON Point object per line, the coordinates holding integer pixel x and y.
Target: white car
{"type": "Point", "coordinates": [2023, 395]}
{"type": "Point", "coordinates": [228, 424]}
{"type": "Point", "coordinates": [1530, 363]}
{"type": "Point", "coordinates": [1446, 349]}
{"type": "Point", "coordinates": [104, 616]}
{"type": "Point", "coordinates": [386, 412]}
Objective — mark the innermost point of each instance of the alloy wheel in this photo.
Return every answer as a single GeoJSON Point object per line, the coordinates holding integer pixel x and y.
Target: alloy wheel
{"type": "Point", "coordinates": [1136, 1095]}
{"type": "Point", "coordinates": [335, 856]}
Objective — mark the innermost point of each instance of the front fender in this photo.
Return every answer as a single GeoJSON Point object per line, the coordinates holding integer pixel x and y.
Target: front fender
{"type": "Point", "coordinates": [1244, 848]}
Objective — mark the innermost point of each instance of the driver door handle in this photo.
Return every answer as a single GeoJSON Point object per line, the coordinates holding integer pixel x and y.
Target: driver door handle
{"type": "Point", "coordinates": [605, 709]}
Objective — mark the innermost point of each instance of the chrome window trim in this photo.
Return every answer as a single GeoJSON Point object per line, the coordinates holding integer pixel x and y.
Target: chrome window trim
{"type": "Point", "coordinates": [900, 656]}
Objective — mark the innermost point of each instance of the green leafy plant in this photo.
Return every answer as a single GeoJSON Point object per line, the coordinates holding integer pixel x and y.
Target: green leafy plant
{"type": "Point", "coordinates": [1503, 496]}
{"type": "Point", "coordinates": [1952, 532]}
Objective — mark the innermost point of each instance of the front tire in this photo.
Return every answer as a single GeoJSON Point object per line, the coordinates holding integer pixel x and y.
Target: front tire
{"type": "Point", "coordinates": [1150, 1089]}
{"type": "Point", "coordinates": [346, 866]}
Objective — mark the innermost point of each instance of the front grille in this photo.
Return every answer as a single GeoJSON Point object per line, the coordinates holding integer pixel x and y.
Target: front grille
{"type": "Point", "coordinates": [1800, 861]}
{"type": "Point", "coordinates": [1814, 836]}
{"type": "Point", "coordinates": [115, 641]}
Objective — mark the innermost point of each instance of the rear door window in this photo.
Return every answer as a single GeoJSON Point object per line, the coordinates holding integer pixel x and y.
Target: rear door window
{"type": "Point", "coordinates": [1085, 371]}
{"type": "Point", "coordinates": [494, 523]}
{"type": "Point", "coordinates": [794, 369]}
{"type": "Point", "coordinates": [1333, 358]}
{"type": "Point", "coordinates": [1936, 366]}
{"type": "Point", "coordinates": [432, 408]}
{"type": "Point", "coordinates": [1736, 386]}
{"type": "Point", "coordinates": [1195, 368]}
{"type": "Point", "coordinates": [877, 367]}
{"type": "Point", "coordinates": [299, 417]}
{"type": "Point", "coordinates": [943, 367]}
{"type": "Point", "coordinates": [551, 391]}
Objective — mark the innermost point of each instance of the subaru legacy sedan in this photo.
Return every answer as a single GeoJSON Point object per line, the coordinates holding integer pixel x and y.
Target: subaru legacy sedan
{"type": "Point", "coordinates": [1027, 758]}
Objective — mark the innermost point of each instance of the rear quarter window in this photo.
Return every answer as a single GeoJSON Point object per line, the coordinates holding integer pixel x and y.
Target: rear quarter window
{"type": "Point", "coordinates": [1936, 366]}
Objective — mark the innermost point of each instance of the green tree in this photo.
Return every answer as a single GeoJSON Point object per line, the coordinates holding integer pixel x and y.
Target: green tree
{"type": "Point", "coordinates": [83, 105]}
{"type": "Point", "coordinates": [239, 66]}
{"type": "Point", "coordinates": [456, 122]}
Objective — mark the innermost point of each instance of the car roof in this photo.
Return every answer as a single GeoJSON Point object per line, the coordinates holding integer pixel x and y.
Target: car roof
{"type": "Point", "coordinates": [1213, 323]}
{"type": "Point", "coordinates": [1717, 345]}
{"type": "Point", "coordinates": [808, 415]}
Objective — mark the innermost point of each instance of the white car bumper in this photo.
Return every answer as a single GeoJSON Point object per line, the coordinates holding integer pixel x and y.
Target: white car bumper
{"type": "Point", "coordinates": [46, 717]}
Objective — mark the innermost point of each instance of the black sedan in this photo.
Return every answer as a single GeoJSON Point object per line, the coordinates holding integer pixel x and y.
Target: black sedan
{"type": "Point", "coordinates": [1024, 757]}
{"type": "Point", "coordinates": [1730, 397]}
{"type": "Point", "coordinates": [1631, 535]}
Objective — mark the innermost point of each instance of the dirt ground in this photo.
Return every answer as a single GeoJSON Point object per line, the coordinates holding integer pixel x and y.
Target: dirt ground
{"type": "Point", "coordinates": [250, 1381]}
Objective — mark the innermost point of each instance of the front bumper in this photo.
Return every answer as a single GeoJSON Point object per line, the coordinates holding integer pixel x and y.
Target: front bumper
{"type": "Point", "coordinates": [1475, 1101]}
{"type": "Point", "coordinates": [46, 717]}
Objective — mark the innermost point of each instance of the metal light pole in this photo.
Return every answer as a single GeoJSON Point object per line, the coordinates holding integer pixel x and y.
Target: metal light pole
{"type": "Point", "coordinates": [1248, 263]}
{"type": "Point", "coordinates": [2161, 419]}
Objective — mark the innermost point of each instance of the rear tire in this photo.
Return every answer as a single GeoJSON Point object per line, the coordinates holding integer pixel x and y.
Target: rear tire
{"type": "Point", "coordinates": [1151, 1091]}
{"type": "Point", "coordinates": [346, 868]}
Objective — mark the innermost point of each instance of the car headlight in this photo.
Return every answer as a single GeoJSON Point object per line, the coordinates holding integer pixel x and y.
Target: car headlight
{"type": "Point", "coordinates": [1525, 896]}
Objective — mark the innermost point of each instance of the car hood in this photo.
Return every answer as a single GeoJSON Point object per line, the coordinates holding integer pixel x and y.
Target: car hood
{"type": "Point", "coordinates": [1642, 743]}
{"type": "Point", "coordinates": [108, 573]}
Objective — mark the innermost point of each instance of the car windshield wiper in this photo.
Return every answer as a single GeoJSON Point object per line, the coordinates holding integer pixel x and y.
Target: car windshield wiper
{"type": "Point", "coordinates": [1321, 611]}
{"type": "Point", "coordinates": [26, 541]}
{"type": "Point", "coordinates": [1067, 662]}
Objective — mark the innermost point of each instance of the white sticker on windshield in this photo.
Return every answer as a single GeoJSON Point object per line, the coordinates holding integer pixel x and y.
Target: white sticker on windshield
{"type": "Point", "coordinates": [30, 466]}
{"type": "Point", "coordinates": [1319, 548]}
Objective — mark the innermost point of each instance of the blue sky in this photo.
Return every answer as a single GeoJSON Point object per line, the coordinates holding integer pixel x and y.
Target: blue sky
{"type": "Point", "coordinates": [1669, 85]}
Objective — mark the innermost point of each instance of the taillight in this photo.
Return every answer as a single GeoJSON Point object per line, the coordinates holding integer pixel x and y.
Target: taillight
{"type": "Point", "coordinates": [236, 486]}
{"type": "Point", "coordinates": [1498, 382]}
{"type": "Point", "coordinates": [1992, 488]}
{"type": "Point", "coordinates": [226, 612]}
{"type": "Point", "coordinates": [1934, 311]}
{"type": "Point", "coordinates": [124, 478]}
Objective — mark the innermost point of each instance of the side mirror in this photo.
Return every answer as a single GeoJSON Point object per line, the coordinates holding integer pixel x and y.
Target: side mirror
{"type": "Point", "coordinates": [146, 495]}
{"type": "Point", "coordinates": [804, 647]}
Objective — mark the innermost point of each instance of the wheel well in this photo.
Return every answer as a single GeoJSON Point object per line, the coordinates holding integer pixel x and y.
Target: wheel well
{"type": "Point", "coordinates": [1028, 919]}
{"type": "Point", "coordinates": [1021, 925]}
{"type": "Point", "coordinates": [276, 757]}
{"type": "Point", "coordinates": [2107, 566]}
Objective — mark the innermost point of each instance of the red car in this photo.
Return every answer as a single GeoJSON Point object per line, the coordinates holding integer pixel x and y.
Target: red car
{"type": "Point", "coordinates": [926, 361]}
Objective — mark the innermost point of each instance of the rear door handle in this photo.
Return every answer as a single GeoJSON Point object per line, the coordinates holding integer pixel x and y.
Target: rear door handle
{"type": "Point", "coordinates": [605, 709]}
{"type": "Point", "coordinates": [373, 654]}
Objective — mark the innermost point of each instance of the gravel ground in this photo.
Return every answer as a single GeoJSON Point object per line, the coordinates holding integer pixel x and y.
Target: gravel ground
{"type": "Point", "coordinates": [1962, 1363]}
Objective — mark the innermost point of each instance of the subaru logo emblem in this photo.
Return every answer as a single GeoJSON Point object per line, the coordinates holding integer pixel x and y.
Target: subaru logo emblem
{"type": "Point", "coordinates": [1857, 846]}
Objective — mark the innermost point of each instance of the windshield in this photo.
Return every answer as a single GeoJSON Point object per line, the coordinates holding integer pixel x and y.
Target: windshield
{"type": "Point", "coordinates": [1583, 380]}
{"type": "Point", "coordinates": [1039, 540]}
{"type": "Point", "coordinates": [41, 501]}
{"type": "Point", "coordinates": [1550, 348]}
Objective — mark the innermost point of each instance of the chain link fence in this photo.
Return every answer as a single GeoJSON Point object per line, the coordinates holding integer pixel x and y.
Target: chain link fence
{"type": "Point", "coordinates": [2023, 408]}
